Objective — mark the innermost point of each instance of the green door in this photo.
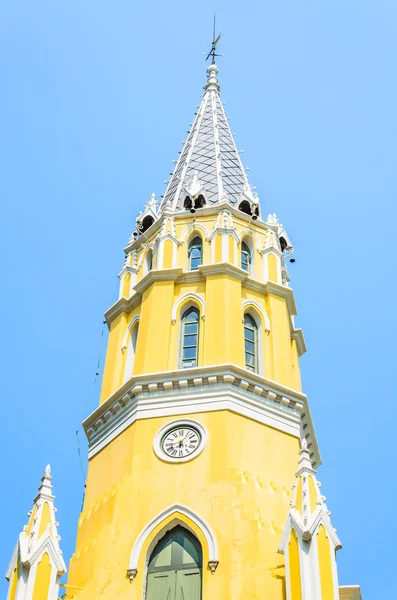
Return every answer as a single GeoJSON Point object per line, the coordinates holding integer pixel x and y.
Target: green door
{"type": "Point", "coordinates": [175, 565]}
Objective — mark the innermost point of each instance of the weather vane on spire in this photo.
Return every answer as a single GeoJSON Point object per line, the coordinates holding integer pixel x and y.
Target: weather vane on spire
{"type": "Point", "coordinates": [212, 52]}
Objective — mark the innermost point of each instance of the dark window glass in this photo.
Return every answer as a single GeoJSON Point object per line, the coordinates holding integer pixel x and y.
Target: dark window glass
{"type": "Point", "coordinates": [245, 257]}
{"type": "Point", "coordinates": [250, 343]}
{"type": "Point", "coordinates": [190, 330]}
{"type": "Point", "coordinates": [195, 253]}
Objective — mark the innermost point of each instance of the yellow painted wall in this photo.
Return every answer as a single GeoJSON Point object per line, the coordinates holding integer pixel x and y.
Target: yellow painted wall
{"type": "Point", "coordinates": [294, 567]}
{"type": "Point", "coordinates": [312, 494]}
{"type": "Point", "coordinates": [221, 334]}
{"type": "Point", "coordinates": [272, 268]}
{"type": "Point", "coordinates": [113, 371]}
{"type": "Point", "coordinates": [126, 285]}
{"type": "Point", "coordinates": [224, 337]}
{"type": "Point", "coordinates": [155, 328]}
{"type": "Point", "coordinates": [232, 244]}
{"type": "Point", "coordinates": [240, 484]}
{"type": "Point", "coordinates": [325, 565]}
{"type": "Point", "coordinates": [299, 497]}
{"type": "Point", "coordinates": [281, 340]}
{"type": "Point", "coordinates": [43, 577]}
{"type": "Point", "coordinates": [218, 248]}
{"type": "Point", "coordinates": [45, 519]}
{"type": "Point", "coordinates": [14, 582]}
{"type": "Point", "coordinates": [168, 253]}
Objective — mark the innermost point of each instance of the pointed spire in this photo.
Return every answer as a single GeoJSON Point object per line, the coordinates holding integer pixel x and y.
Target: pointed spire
{"type": "Point", "coordinates": [309, 527]}
{"type": "Point", "coordinates": [45, 489]}
{"type": "Point", "coordinates": [210, 155]}
{"type": "Point", "coordinates": [37, 549]}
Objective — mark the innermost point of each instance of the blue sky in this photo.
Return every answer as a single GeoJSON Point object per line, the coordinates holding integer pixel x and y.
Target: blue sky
{"type": "Point", "coordinates": [96, 99]}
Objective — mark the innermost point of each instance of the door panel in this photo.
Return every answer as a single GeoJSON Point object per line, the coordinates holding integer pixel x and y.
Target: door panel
{"type": "Point", "coordinates": [161, 586]}
{"type": "Point", "coordinates": [188, 584]}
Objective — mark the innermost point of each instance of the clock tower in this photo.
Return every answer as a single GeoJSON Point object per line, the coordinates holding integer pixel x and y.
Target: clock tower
{"type": "Point", "coordinates": [202, 453]}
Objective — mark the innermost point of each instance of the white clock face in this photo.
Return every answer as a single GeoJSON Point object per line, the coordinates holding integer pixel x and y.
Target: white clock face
{"type": "Point", "coordinates": [180, 442]}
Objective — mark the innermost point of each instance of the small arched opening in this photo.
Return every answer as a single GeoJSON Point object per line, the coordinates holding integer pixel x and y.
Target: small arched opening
{"type": "Point", "coordinates": [146, 223]}
{"type": "Point", "coordinates": [245, 207]}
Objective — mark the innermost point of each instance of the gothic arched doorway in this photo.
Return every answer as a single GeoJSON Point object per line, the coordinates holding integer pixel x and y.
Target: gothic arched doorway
{"type": "Point", "coordinates": [175, 567]}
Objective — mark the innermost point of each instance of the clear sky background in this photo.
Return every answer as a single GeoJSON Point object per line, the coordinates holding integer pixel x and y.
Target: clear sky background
{"type": "Point", "coordinates": [96, 99]}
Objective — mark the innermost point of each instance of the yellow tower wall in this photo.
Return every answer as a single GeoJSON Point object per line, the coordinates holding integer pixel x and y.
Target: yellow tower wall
{"type": "Point", "coordinates": [239, 484]}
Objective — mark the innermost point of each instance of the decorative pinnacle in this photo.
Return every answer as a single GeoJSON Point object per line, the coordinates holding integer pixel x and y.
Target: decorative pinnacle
{"type": "Point", "coordinates": [45, 488]}
{"type": "Point", "coordinates": [212, 79]}
{"type": "Point", "coordinates": [305, 462]}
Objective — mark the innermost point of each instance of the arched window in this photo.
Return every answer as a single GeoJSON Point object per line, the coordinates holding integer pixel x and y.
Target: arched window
{"type": "Point", "coordinates": [245, 257]}
{"type": "Point", "coordinates": [134, 338]}
{"type": "Point", "coordinates": [175, 567]}
{"type": "Point", "coordinates": [130, 348]}
{"type": "Point", "coordinates": [149, 260]}
{"type": "Point", "coordinates": [189, 338]}
{"type": "Point", "coordinates": [250, 343]}
{"type": "Point", "coordinates": [195, 253]}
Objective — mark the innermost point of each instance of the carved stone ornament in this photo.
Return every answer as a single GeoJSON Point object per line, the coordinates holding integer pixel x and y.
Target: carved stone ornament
{"type": "Point", "coordinates": [212, 564]}
{"type": "Point", "coordinates": [132, 574]}
{"type": "Point", "coordinates": [306, 536]}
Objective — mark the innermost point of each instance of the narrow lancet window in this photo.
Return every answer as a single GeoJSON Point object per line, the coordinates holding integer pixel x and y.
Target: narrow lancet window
{"type": "Point", "coordinates": [195, 253]}
{"type": "Point", "coordinates": [245, 257]}
{"type": "Point", "coordinates": [251, 343]}
{"type": "Point", "coordinates": [189, 338]}
{"type": "Point", "coordinates": [149, 261]}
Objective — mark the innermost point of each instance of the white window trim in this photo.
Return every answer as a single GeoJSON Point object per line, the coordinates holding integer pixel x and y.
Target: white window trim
{"type": "Point", "coordinates": [212, 546]}
{"type": "Point", "coordinates": [195, 299]}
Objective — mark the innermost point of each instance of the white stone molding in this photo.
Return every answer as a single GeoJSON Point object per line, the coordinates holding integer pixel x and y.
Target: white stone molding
{"type": "Point", "coordinates": [249, 234]}
{"type": "Point", "coordinates": [195, 298]}
{"type": "Point", "coordinates": [245, 306]}
{"type": "Point", "coordinates": [179, 423]}
{"type": "Point", "coordinates": [177, 275]}
{"type": "Point", "coordinates": [212, 546]}
{"type": "Point", "coordinates": [223, 387]}
{"type": "Point", "coordinates": [191, 229]}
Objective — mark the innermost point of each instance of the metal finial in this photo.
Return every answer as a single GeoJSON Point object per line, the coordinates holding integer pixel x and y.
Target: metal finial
{"type": "Point", "coordinates": [212, 52]}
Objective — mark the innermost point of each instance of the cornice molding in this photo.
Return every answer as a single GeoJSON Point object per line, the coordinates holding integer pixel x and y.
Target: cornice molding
{"type": "Point", "coordinates": [202, 389]}
{"type": "Point", "coordinates": [270, 287]}
{"type": "Point", "coordinates": [223, 269]}
{"type": "Point", "coordinates": [297, 335]}
{"type": "Point", "coordinates": [204, 271]}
